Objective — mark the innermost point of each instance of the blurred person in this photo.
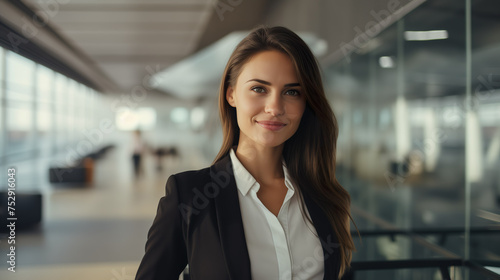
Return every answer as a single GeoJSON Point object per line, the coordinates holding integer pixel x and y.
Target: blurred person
{"type": "Point", "coordinates": [138, 148]}
{"type": "Point", "coordinates": [270, 206]}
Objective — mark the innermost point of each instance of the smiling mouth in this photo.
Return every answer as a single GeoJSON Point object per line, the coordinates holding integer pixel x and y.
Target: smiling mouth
{"type": "Point", "coordinates": [274, 126]}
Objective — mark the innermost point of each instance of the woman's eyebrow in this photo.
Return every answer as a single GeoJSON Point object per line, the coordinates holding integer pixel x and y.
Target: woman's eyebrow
{"type": "Point", "coordinates": [268, 83]}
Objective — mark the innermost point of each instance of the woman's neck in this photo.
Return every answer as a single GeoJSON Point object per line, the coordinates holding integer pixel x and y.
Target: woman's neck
{"type": "Point", "coordinates": [264, 163]}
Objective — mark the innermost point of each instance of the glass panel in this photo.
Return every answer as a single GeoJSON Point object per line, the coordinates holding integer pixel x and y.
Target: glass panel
{"type": "Point", "coordinates": [2, 108]}
{"type": "Point", "coordinates": [44, 119]}
{"type": "Point", "coordinates": [396, 247]}
{"type": "Point", "coordinates": [409, 274]}
{"type": "Point", "coordinates": [19, 77]}
{"type": "Point", "coordinates": [60, 101]}
{"type": "Point", "coordinates": [44, 84]}
{"type": "Point", "coordinates": [435, 88]}
{"type": "Point", "coordinates": [475, 274]}
{"type": "Point", "coordinates": [484, 125]}
{"type": "Point", "coordinates": [19, 126]}
{"type": "Point", "coordinates": [400, 106]}
{"type": "Point", "coordinates": [2, 61]}
{"type": "Point", "coordinates": [89, 109]}
{"type": "Point", "coordinates": [44, 127]}
{"type": "Point", "coordinates": [82, 104]}
{"type": "Point", "coordinates": [70, 96]}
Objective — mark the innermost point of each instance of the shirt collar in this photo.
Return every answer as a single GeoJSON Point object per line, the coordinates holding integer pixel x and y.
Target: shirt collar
{"type": "Point", "coordinates": [245, 181]}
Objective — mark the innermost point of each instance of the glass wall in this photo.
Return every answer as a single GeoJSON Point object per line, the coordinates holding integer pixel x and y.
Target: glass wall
{"type": "Point", "coordinates": [43, 114]}
{"type": "Point", "coordinates": [19, 103]}
{"type": "Point", "coordinates": [483, 132]}
{"type": "Point", "coordinates": [419, 143]}
{"type": "Point", "coordinates": [44, 103]}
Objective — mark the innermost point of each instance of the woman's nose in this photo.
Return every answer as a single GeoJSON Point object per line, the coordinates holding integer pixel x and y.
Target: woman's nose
{"type": "Point", "coordinates": [275, 105]}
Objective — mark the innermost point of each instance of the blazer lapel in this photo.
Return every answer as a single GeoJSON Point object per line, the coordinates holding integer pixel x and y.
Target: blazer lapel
{"type": "Point", "coordinates": [328, 239]}
{"type": "Point", "coordinates": [231, 232]}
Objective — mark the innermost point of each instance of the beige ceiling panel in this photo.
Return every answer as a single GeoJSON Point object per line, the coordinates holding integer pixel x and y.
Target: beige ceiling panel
{"type": "Point", "coordinates": [83, 33]}
{"type": "Point", "coordinates": [130, 38]}
{"type": "Point", "coordinates": [137, 58]}
{"type": "Point", "coordinates": [63, 3]}
{"type": "Point", "coordinates": [126, 77]}
{"type": "Point", "coordinates": [177, 17]}
{"type": "Point", "coordinates": [153, 66]}
{"type": "Point", "coordinates": [124, 36]}
{"type": "Point", "coordinates": [127, 26]}
{"type": "Point", "coordinates": [137, 49]}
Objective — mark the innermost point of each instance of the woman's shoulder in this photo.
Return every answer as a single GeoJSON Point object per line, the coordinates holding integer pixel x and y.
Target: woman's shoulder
{"type": "Point", "coordinates": [190, 177]}
{"type": "Point", "coordinates": [206, 180]}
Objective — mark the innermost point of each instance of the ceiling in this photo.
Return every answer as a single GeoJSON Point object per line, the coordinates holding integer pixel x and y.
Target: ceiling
{"type": "Point", "coordinates": [435, 68]}
{"type": "Point", "coordinates": [129, 40]}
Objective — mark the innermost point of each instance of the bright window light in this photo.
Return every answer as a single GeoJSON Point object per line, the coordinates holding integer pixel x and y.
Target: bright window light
{"type": "Point", "coordinates": [474, 148]}
{"type": "Point", "coordinates": [126, 119]}
{"type": "Point", "coordinates": [402, 128]}
{"type": "Point", "coordinates": [197, 117]}
{"type": "Point", "coordinates": [179, 115]}
{"type": "Point", "coordinates": [426, 35]}
{"type": "Point", "coordinates": [140, 118]}
{"type": "Point", "coordinates": [147, 118]}
{"type": "Point", "coordinates": [386, 62]}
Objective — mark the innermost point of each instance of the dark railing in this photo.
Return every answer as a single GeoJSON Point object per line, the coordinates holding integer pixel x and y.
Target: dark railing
{"type": "Point", "coordinates": [443, 265]}
{"type": "Point", "coordinates": [448, 259]}
{"type": "Point", "coordinates": [428, 231]}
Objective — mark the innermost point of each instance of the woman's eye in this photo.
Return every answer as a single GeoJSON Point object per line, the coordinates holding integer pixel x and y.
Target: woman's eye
{"type": "Point", "coordinates": [292, 92]}
{"type": "Point", "coordinates": [258, 89]}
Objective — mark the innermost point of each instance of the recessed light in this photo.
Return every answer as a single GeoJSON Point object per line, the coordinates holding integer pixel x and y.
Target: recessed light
{"type": "Point", "coordinates": [426, 35]}
{"type": "Point", "coordinates": [386, 62]}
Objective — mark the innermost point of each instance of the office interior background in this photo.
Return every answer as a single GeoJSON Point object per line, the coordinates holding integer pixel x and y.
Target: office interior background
{"type": "Point", "coordinates": [414, 85]}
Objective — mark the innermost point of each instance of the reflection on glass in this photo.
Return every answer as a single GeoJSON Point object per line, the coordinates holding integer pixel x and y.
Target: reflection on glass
{"type": "Point", "coordinates": [404, 116]}
{"type": "Point", "coordinates": [433, 148]}
{"type": "Point", "coordinates": [403, 128]}
{"type": "Point", "coordinates": [475, 152]}
{"type": "Point", "coordinates": [483, 125]}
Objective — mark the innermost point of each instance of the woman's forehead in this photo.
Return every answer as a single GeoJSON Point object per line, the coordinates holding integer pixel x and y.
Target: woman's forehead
{"type": "Point", "coordinates": [271, 66]}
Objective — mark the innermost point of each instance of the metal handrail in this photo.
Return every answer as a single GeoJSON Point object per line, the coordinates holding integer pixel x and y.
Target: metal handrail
{"type": "Point", "coordinates": [429, 231]}
{"type": "Point", "coordinates": [443, 265]}
{"type": "Point", "coordinates": [449, 259]}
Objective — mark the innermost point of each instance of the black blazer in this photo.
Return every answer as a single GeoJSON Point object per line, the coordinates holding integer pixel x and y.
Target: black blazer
{"type": "Point", "coordinates": [199, 223]}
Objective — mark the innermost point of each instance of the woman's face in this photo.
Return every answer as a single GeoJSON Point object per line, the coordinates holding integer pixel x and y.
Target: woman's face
{"type": "Point", "coordinates": [268, 98]}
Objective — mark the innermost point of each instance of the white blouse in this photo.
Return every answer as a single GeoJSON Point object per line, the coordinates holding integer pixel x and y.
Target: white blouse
{"type": "Point", "coordinates": [280, 247]}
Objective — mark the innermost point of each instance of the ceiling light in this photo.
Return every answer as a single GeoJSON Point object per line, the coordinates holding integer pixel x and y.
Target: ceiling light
{"type": "Point", "coordinates": [386, 62]}
{"type": "Point", "coordinates": [426, 35]}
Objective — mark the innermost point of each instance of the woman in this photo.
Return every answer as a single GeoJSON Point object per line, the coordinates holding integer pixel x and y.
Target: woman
{"type": "Point", "coordinates": [270, 206]}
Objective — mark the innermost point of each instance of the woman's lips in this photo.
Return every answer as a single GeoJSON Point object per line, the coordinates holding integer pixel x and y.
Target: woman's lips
{"type": "Point", "coordinates": [271, 125]}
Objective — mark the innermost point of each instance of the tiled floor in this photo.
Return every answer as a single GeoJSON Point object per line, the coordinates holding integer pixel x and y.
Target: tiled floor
{"type": "Point", "coordinates": [98, 231]}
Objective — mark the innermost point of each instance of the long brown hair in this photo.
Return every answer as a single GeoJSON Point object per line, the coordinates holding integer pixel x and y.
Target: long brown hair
{"type": "Point", "coordinates": [310, 153]}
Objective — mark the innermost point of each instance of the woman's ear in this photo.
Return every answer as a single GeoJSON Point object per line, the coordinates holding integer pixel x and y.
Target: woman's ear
{"type": "Point", "coordinates": [230, 96]}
